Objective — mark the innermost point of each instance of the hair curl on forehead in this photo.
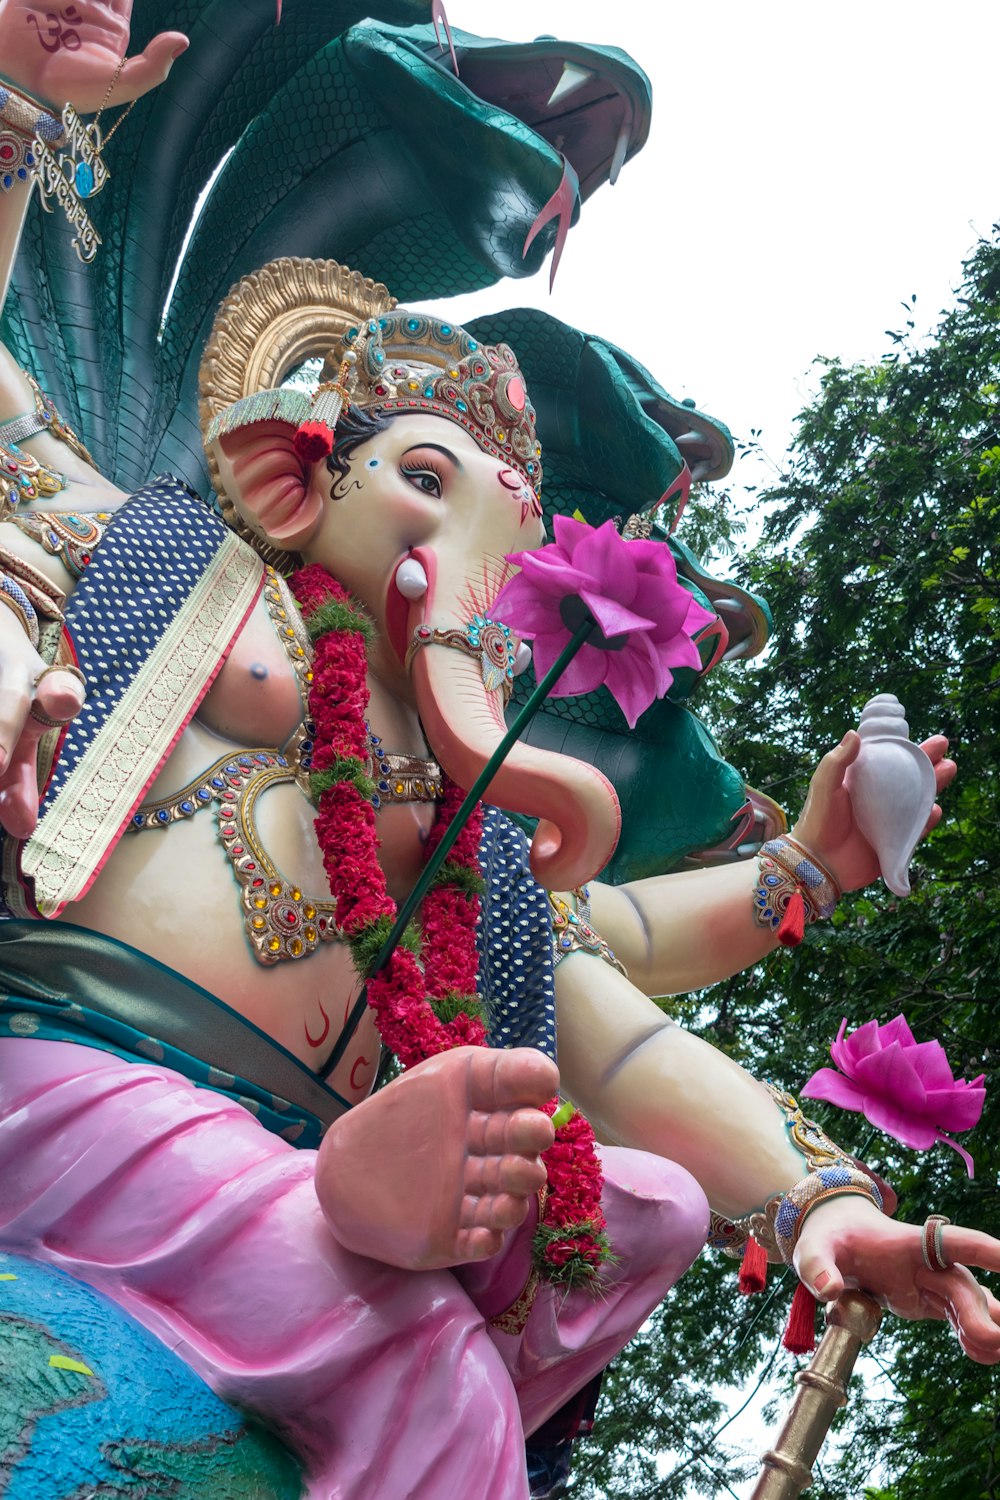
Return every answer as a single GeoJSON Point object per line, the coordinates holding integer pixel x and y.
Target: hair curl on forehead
{"type": "Point", "coordinates": [354, 427]}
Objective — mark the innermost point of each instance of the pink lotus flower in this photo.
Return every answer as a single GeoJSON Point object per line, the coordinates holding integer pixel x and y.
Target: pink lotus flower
{"type": "Point", "coordinates": [646, 620]}
{"type": "Point", "coordinates": [903, 1087]}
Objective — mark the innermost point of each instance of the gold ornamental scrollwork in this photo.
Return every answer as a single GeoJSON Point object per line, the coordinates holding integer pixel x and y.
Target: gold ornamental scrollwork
{"type": "Point", "coordinates": [291, 310]}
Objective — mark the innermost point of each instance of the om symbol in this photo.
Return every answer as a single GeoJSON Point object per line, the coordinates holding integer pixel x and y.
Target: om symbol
{"type": "Point", "coordinates": [56, 35]}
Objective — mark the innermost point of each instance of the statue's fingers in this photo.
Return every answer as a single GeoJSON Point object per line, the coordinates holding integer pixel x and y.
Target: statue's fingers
{"type": "Point", "coordinates": [819, 1271]}
{"type": "Point", "coordinates": [967, 1308]}
{"type": "Point", "coordinates": [19, 784]}
{"type": "Point", "coordinates": [147, 71]}
{"type": "Point", "coordinates": [945, 772]}
{"type": "Point", "coordinates": [935, 747]}
{"type": "Point", "coordinates": [59, 696]}
{"type": "Point", "coordinates": [833, 767]}
{"type": "Point", "coordinates": [15, 700]}
{"type": "Point", "coordinates": [970, 1247]}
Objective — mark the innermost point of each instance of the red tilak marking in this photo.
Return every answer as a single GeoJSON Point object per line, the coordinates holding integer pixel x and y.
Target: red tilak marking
{"type": "Point", "coordinates": [318, 1041]}
{"type": "Point", "coordinates": [357, 1087]}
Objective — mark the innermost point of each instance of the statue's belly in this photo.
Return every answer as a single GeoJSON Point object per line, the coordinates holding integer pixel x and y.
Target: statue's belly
{"type": "Point", "coordinates": [173, 893]}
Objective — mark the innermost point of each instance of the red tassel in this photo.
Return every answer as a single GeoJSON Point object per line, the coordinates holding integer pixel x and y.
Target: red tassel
{"type": "Point", "coordinates": [800, 1332]}
{"type": "Point", "coordinates": [793, 923]}
{"type": "Point", "coordinates": [313, 441]}
{"type": "Point", "coordinates": [753, 1268]}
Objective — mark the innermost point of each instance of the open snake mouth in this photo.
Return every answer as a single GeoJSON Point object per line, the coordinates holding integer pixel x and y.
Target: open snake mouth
{"type": "Point", "coordinates": [591, 104]}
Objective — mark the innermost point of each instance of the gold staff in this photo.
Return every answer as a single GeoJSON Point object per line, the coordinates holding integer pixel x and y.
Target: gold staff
{"type": "Point", "coordinates": [786, 1469]}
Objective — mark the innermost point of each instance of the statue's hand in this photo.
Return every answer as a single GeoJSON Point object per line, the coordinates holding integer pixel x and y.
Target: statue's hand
{"type": "Point", "coordinates": [58, 696]}
{"type": "Point", "coordinates": [63, 51]}
{"type": "Point", "coordinates": [846, 1242]}
{"type": "Point", "coordinates": [827, 826]}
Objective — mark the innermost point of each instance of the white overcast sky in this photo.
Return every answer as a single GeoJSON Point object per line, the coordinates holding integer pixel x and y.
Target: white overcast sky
{"type": "Point", "coordinates": [809, 166]}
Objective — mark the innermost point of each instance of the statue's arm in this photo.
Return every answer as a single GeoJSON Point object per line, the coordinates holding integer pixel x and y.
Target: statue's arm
{"type": "Point", "coordinates": [646, 1083]}
{"type": "Point", "coordinates": [74, 63]}
{"type": "Point", "coordinates": [684, 931]}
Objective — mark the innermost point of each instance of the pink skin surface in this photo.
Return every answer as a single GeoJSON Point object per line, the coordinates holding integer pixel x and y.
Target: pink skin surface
{"type": "Point", "coordinates": [424, 489]}
{"type": "Point", "coordinates": [443, 1161]}
{"type": "Point", "coordinates": [72, 52]}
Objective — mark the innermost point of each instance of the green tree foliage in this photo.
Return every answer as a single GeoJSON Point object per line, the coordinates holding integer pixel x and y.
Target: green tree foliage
{"type": "Point", "coordinates": [879, 556]}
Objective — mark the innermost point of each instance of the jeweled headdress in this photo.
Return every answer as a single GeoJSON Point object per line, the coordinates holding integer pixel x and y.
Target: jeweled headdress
{"type": "Point", "coordinates": [376, 357]}
{"type": "Point", "coordinates": [416, 363]}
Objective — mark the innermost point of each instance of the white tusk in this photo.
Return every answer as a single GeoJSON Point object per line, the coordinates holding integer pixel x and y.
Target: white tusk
{"type": "Point", "coordinates": [522, 661]}
{"type": "Point", "coordinates": [411, 580]}
{"type": "Point", "coordinates": [572, 78]}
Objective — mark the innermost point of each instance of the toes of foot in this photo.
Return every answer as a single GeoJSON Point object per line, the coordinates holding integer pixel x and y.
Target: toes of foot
{"type": "Point", "coordinates": [478, 1244]}
{"type": "Point", "coordinates": [511, 1077]}
{"type": "Point", "coordinates": [504, 1174]}
{"type": "Point", "coordinates": [526, 1131]}
{"type": "Point", "coordinates": [493, 1211]}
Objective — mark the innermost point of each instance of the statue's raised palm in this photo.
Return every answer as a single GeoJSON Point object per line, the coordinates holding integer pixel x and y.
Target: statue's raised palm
{"type": "Point", "coordinates": [72, 52]}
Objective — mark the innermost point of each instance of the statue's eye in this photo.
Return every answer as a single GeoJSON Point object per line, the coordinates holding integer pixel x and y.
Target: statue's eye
{"type": "Point", "coordinates": [423, 477]}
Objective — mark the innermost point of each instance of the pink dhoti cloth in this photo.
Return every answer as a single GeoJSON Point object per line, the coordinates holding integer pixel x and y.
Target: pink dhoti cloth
{"type": "Point", "coordinates": [206, 1228]}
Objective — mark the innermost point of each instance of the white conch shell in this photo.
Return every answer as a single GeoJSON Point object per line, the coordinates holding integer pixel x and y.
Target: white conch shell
{"type": "Point", "coordinates": [892, 788]}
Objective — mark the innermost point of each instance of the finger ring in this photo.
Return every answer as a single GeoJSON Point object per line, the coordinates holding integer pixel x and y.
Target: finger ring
{"type": "Point", "coordinates": [58, 666]}
{"type": "Point", "coordinates": [932, 1243]}
{"type": "Point", "coordinates": [46, 722]}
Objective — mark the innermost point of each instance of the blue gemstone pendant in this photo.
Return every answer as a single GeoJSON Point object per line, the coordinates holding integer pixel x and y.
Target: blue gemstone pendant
{"type": "Point", "coordinates": [84, 178]}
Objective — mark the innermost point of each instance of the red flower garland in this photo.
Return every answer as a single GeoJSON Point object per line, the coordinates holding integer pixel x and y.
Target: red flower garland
{"type": "Point", "coordinates": [570, 1243]}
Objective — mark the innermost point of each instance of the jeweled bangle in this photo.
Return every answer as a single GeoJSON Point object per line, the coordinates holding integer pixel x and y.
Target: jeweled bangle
{"type": "Point", "coordinates": [822, 1156]}
{"type": "Point", "coordinates": [23, 121]}
{"type": "Point", "coordinates": [572, 933]}
{"type": "Point", "coordinates": [786, 868]}
{"type": "Point", "coordinates": [25, 115]}
{"type": "Point", "coordinates": [780, 1224]}
{"type": "Point", "coordinates": [17, 601]}
{"type": "Point", "coordinates": [45, 597]}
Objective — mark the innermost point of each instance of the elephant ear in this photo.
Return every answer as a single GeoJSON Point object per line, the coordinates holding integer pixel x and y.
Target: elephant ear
{"type": "Point", "coordinates": [260, 471]}
{"type": "Point", "coordinates": [616, 443]}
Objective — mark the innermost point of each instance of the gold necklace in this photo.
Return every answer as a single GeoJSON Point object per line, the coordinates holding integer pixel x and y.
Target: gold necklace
{"type": "Point", "coordinates": [88, 182]}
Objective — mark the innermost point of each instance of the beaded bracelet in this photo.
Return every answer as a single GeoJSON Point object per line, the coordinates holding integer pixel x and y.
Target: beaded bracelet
{"type": "Point", "coordinates": [17, 601]}
{"type": "Point", "coordinates": [777, 1225]}
{"type": "Point", "coordinates": [793, 888]}
{"type": "Point", "coordinates": [23, 121]}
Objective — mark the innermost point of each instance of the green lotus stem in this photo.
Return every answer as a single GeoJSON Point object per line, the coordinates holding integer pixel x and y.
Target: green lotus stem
{"type": "Point", "coordinates": [479, 786]}
{"type": "Point", "coordinates": [456, 825]}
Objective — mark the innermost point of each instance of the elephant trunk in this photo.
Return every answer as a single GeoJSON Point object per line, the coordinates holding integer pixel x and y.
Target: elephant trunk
{"type": "Point", "coordinates": [578, 811]}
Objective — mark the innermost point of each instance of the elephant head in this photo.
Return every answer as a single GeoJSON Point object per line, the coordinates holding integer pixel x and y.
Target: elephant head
{"type": "Point", "coordinates": [425, 494]}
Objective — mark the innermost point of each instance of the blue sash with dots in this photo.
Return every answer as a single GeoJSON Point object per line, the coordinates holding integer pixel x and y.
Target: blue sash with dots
{"type": "Point", "coordinates": [516, 968]}
{"type": "Point", "coordinates": [150, 622]}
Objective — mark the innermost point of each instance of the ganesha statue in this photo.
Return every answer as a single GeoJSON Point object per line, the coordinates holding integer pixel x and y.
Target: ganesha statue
{"type": "Point", "coordinates": [233, 739]}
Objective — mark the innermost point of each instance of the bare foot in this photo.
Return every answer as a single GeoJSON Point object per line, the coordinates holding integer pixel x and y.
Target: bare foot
{"type": "Point", "coordinates": [430, 1171]}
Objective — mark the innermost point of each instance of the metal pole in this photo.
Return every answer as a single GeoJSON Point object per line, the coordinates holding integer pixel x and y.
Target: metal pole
{"type": "Point", "coordinates": [786, 1469]}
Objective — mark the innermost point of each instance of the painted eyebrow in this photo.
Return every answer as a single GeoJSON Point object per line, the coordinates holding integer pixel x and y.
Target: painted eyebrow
{"type": "Point", "coordinates": [437, 448]}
